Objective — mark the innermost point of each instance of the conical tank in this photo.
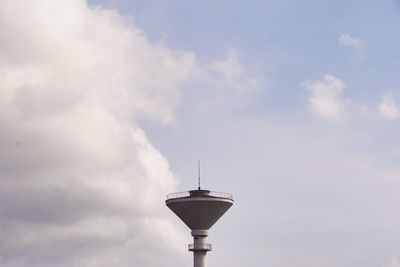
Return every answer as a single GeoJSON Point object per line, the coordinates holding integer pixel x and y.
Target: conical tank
{"type": "Point", "coordinates": [199, 209]}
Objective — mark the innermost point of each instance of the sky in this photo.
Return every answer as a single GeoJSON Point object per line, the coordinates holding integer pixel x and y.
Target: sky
{"type": "Point", "coordinates": [107, 105]}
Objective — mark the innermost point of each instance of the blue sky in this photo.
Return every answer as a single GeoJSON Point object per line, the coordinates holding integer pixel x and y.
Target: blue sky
{"type": "Point", "coordinates": [292, 106]}
{"type": "Point", "coordinates": [285, 42]}
{"type": "Point", "coordinates": [265, 31]}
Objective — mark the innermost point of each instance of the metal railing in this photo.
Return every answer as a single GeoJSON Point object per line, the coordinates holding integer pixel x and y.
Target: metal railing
{"type": "Point", "coordinates": [221, 194]}
{"type": "Point", "coordinates": [206, 247]}
{"type": "Point", "coordinates": [211, 194]}
{"type": "Point", "coordinates": [178, 195]}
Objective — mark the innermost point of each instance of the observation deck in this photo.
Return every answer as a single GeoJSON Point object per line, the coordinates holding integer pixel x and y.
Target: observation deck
{"type": "Point", "coordinates": [200, 193]}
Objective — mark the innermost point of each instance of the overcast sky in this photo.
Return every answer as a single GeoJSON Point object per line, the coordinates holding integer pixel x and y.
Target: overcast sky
{"type": "Point", "coordinates": [106, 106]}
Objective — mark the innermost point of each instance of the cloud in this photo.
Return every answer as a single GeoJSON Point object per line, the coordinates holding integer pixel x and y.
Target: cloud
{"type": "Point", "coordinates": [80, 183]}
{"type": "Point", "coordinates": [325, 98]}
{"type": "Point", "coordinates": [388, 108]}
{"type": "Point", "coordinates": [326, 101]}
{"type": "Point", "coordinates": [350, 41]}
{"type": "Point", "coordinates": [230, 72]}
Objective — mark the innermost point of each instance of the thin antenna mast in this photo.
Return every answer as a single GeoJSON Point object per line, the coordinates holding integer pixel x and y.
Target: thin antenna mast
{"type": "Point", "coordinates": [198, 165]}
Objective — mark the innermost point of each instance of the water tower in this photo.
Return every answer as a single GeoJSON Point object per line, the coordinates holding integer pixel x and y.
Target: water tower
{"type": "Point", "coordinates": [199, 210]}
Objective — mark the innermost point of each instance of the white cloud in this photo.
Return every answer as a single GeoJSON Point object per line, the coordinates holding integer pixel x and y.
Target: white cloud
{"type": "Point", "coordinates": [350, 41]}
{"type": "Point", "coordinates": [325, 98]}
{"type": "Point", "coordinates": [79, 181]}
{"type": "Point", "coordinates": [388, 108]}
{"type": "Point", "coordinates": [326, 101]}
{"type": "Point", "coordinates": [234, 74]}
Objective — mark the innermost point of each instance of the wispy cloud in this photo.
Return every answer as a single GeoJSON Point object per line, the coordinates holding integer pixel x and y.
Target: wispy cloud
{"type": "Point", "coordinates": [234, 74]}
{"type": "Point", "coordinates": [325, 99]}
{"type": "Point", "coordinates": [388, 108]}
{"type": "Point", "coordinates": [351, 41]}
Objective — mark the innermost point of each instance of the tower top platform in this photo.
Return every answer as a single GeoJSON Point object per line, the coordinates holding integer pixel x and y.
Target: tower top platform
{"type": "Point", "coordinates": [199, 193]}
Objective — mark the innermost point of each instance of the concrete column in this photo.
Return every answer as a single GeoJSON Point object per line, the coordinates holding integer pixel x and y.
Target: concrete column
{"type": "Point", "coordinates": [200, 248]}
{"type": "Point", "coordinates": [200, 259]}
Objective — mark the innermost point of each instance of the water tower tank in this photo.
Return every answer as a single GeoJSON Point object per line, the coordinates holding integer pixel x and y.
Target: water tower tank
{"type": "Point", "coordinates": [199, 210]}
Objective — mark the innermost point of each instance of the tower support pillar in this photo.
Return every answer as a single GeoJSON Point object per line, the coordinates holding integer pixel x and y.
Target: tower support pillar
{"type": "Point", "coordinates": [200, 258]}
{"type": "Point", "coordinates": [200, 248]}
